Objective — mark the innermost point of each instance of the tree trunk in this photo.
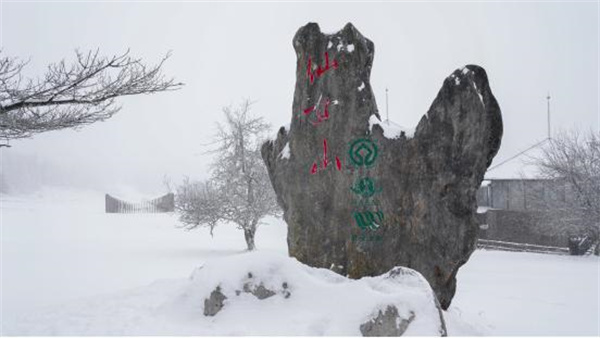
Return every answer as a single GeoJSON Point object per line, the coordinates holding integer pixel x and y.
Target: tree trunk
{"type": "Point", "coordinates": [249, 236]}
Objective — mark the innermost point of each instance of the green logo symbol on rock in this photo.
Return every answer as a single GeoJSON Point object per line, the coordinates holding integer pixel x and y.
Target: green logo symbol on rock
{"type": "Point", "coordinates": [368, 219]}
{"type": "Point", "coordinates": [365, 187]}
{"type": "Point", "coordinates": [363, 152]}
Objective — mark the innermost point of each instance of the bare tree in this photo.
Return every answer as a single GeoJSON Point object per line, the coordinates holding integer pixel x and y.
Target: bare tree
{"type": "Point", "coordinates": [72, 95]}
{"type": "Point", "coordinates": [239, 191]}
{"type": "Point", "coordinates": [572, 161]}
{"type": "Point", "coordinates": [198, 203]}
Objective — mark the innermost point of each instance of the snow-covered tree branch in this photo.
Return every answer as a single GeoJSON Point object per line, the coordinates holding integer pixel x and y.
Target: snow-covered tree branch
{"type": "Point", "coordinates": [71, 95]}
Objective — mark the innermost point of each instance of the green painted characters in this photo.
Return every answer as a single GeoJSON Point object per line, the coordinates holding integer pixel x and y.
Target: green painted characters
{"type": "Point", "coordinates": [362, 155]}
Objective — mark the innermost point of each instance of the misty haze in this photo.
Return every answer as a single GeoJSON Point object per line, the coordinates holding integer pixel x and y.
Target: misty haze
{"type": "Point", "coordinates": [299, 168]}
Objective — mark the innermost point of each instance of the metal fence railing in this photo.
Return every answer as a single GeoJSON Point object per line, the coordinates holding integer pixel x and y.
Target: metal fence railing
{"type": "Point", "coordinates": [164, 203]}
{"type": "Point", "coordinates": [520, 247]}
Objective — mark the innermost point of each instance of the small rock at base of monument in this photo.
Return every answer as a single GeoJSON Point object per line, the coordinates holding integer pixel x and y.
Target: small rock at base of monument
{"type": "Point", "coordinates": [260, 291]}
{"type": "Point", "coordinates": [387, 324]}
{"type": "Point", "coordinates": [214, 303]}
{"type": "Point", "coordinates": [364, 200]}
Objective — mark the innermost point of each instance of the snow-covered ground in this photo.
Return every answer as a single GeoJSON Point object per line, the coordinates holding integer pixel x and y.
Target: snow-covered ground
{"type": "Point", "coordinates": [69, 268]}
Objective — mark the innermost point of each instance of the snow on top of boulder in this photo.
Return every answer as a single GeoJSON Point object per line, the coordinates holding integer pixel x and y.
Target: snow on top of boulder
{"type": "Point", "coordinates": [465, 70]}
{"type": "Point", "coordinates": [391, 130]}
{"type": "Point", "coordinates": [456, 79]}
{"type": "Point", "coordinates": [483, 210]}
{"type": "Point", "coordinates": [349, 47]}
{"type": "Point", "coordinates": [478, 93]}
{"type": "Point", "coordinates": [285, 153]}
{"type": "Point", "coordinates": [302, 300]}
{"type": "Point", "coordinates": [263, 293]}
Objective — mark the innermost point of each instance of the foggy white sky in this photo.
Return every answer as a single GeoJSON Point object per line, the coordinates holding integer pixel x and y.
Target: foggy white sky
{"type": "Point", "coordinates": [227, 52]}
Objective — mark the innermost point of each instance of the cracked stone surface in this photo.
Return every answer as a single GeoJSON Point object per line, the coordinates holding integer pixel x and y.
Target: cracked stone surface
{"type": "Point", "coordinates": [361, 203]}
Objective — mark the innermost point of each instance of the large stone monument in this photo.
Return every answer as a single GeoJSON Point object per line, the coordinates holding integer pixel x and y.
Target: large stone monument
{"type": "Point", "coordinates": [358, 199]}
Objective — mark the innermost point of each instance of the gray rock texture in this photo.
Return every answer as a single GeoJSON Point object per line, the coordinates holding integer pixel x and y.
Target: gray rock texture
{"type": "Point", "coordinates": [214, 303]}
{"type": "Point", "coordinates": [386, 324]}
{"type": "Point", "coordinates": [405, 276]}
{"type": "Point", "coordinates": [359, 203]}
{"type": "Point", "coordinates": [260, 291]}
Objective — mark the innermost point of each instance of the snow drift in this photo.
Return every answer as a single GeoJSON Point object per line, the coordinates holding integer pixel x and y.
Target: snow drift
{"type": "Point", "coordinates": [266, 294]}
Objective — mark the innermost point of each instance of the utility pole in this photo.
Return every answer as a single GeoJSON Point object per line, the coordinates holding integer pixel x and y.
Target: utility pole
{"type": "Point", "coordinates": [548, 99]}
{"type": "Point", "coordinates": [387, 107]}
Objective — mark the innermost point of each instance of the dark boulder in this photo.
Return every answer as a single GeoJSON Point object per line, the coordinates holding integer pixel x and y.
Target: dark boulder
{"type": "Point", "coordinates": [386, 324]}
{"type": "Point", "coordinates": [260, 291]}
{"type": "Point", "coordinates": [360, 201]}
{"type": "Point", "coordinates": [214, 303]}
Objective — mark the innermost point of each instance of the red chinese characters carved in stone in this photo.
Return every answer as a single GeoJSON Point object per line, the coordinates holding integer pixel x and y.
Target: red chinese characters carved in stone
{"type": "Point", "coordinates": [325, 161]}
{"type": "Point", "coordinates": [320, 70]}
{"type": "Point", "coordinates": [320, 115]}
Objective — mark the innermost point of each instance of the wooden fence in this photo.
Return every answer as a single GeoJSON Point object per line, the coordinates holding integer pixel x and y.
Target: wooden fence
{"type": "Point", "coordinates": [165, 203]}
{"type": "Point", "coordinates": [520, 247]}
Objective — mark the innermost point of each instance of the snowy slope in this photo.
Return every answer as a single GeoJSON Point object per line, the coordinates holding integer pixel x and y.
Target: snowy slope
{"type": "Point", "coordinates": [514, 293]}
{"type": "Point", "coordinates": [320, 302]}
{"type": "Point", "coordinates": [65, 239]}
{"type": "Point", "coordinates": [68, 267]}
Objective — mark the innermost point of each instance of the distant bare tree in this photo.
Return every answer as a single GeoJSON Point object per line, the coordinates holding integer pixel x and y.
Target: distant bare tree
{"type": "Point", "coordinates": [198, 203]}
{"type": "Point", "coordinates": [72, 95]}
{"type": "Point", "coordinates": [240, 190]}
{"type": "Point", "coordinates": [573, 162]}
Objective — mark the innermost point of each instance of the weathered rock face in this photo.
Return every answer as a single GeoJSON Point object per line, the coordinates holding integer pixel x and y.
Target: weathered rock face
{"type": "Point", "coordinates": [386, 324]}
{"type": "Point", "coordinates": [359, 203]}
{"type": "Point", "coordinates": [214, 303]}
